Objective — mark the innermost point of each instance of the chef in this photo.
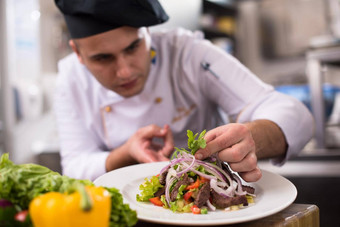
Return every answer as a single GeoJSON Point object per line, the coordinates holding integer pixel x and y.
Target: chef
{"type": "Point", "coordinates": [128, 96]}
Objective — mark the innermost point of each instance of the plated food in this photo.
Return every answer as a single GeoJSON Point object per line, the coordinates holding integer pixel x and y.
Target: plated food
{"type": "Point", "coordinates": [186, 184]}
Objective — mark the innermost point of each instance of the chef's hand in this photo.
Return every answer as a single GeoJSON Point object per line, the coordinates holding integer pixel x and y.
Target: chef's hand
{"type": "Point", "coordinates": [143, 149]}
{"type": "Point", "coordinates": [235, 145]}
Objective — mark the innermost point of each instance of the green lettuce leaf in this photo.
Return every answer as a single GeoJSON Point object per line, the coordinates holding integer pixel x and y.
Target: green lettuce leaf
{"type": "Point", "coordinates": [148, 189]}
{"type": "Point", "coordinates": [21, 183]}
{"type": "Point", "coordinates": [121, 214]}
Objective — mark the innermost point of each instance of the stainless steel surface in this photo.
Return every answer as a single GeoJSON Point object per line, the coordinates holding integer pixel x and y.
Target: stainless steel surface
{"type": "Point", "coordinates": [6, 101]}
{"type": "Point", "coordinates": [2, 72]}
{"type": "Point", "coordinates": [305, 168]}
{"type": "Point", "coordinates": [1, 136]}
{"type": "Point", "coordinates": [315, 59]}
{"type": "Point", "coordinates": [315, 83]}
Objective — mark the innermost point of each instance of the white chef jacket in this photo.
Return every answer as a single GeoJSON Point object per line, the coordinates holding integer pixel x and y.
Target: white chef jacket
{"type": "Point", "coordinates": [93, 120]}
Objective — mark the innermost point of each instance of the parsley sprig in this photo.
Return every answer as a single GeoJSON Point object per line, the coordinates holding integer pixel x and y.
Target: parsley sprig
{"type": "Point", "coordinates": [193, 143]}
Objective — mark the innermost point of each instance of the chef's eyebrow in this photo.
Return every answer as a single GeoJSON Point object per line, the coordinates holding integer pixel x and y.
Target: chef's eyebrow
{"type": "Point", "coordinates": [130, 47]}
{"type": "Point", "coordinates": [133, 44]}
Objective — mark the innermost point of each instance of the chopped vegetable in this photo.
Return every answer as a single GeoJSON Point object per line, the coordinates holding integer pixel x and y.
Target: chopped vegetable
{"type": "Point", "coordinates": [121, 215]}
{"type": "Point", "coordinates": [22, 216]}
{"type": "Point", "coordinates": [204, 211]}
{"type": "Point", "coordinates": [195, 209]}
{"type": "Point", "coordinates": [7, 213]}
{"type": "Point", "coordinates": [84, 207]}
{"type": "Point", "coordinates": [156, 201]}
{"type": "Point", "coordinates": [203, 180]}
{"type": "Point", "coordinates": [148, 189]}
{"type": "Point", "coordinates": [194, 185]}
{"type": "Point", "coordinates": [187, 196]}
{"type": "Point", "coordinates": [20, 184]}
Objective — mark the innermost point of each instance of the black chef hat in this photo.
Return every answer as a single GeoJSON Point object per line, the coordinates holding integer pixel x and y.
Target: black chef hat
{"type": "Point", "coordinates": [89, 17]}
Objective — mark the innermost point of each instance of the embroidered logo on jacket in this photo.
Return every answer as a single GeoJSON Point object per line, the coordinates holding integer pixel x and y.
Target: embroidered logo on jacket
{"type": "Point", "coordinates": [183, 112]}
{"type": "Point", "coordinates": [153, 54]}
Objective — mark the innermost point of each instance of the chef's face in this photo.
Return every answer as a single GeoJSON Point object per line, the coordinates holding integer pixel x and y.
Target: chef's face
{"type": "Point", "coordinates": [119, 59]}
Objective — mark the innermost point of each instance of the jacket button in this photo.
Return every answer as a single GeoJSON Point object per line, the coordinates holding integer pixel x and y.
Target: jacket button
{"type": "Point", "coordinates": [108, 109]}
{"type": "Point", "coordinates": [158, 100]}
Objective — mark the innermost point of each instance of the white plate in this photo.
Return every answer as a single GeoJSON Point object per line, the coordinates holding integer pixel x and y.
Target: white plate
{"type": "Point", "coordinates": [273, 194]}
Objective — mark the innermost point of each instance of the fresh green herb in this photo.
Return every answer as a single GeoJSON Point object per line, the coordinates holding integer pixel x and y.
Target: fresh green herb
{"type": "Point", "coordinates": [193, 144]}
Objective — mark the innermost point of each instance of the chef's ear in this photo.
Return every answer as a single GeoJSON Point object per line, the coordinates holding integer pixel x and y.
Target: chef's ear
{"type": "Point", "coordinates": [75, 48]}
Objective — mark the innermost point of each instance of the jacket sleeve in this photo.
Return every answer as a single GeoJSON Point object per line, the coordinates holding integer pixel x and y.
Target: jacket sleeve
{"type": "Point", "coordinates": [81, 156]}
{"type": "Point", "coordinates": [244, 97]}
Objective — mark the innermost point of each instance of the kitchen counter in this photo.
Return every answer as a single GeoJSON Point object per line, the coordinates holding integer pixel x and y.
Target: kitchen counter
{"type": "Point", "coordinates": [306, 168]}
{"type": "Point", "coordinates": [317, 179]}
{"type": "Point", "coordinates": [294, 215]}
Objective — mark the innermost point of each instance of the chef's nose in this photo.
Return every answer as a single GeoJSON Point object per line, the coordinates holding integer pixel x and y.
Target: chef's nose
{"type": "Point", "coordinates": [123, 68]}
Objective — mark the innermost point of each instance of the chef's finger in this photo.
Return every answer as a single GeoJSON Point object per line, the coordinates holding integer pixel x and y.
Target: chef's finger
{"type": "Point", "coordinates": [163, 132]}
{"type": "Point", "coordinates": [168, 143]}
{"type": "Point", "coordinates": [219, 143]}
{"type": "Point", "coordinates": [238, 151]}
{"type": "Point", "coordinates": [144, 154]}
{"type": "Point", "coordinates": [162, 158]}
{"type": "Point", "coordinates": [247, 164]}
{"type": "Point", "coordinates": [251, 176]}
{"type": "Point", "coordinates": [151, 131]}
{"type": "Point", "coordinates": [150, 156]}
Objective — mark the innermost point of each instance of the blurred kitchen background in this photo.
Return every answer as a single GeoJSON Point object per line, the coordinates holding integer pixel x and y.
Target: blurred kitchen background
{"type": "Point", "coordinates": [291, 44]}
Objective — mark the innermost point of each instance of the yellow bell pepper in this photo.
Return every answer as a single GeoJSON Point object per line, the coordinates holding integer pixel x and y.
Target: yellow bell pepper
{"type": "Point", "coordinates": [88, 206]}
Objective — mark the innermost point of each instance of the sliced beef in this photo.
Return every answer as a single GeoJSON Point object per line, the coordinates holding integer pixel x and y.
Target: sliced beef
{"type": "Point", "coordinates": [248, 189]}
{"type": "Point", "coordinates": [160, 192]}
{"type": "Point", "coordinates": [227, 169]}
{"type": "Point", "coordinates": [202, 195]}
{"type": "Point", "coordinates": [183, 181]}
{"type": "Point", "coordinates": [162, 177]}
{"type": "Point", "coordinates": [222, 202]}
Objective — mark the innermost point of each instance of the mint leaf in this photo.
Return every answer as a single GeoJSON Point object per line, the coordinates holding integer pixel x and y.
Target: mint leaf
{"type": "Point", "coordinates": [193, 144]}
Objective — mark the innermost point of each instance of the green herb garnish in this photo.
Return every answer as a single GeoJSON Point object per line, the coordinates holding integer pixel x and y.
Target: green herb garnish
{"type": "Point", "coordinates": [193, 143]}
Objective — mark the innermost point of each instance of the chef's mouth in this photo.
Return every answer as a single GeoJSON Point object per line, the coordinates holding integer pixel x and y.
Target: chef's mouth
{"type": "Point", "coordinates": [129, 84]}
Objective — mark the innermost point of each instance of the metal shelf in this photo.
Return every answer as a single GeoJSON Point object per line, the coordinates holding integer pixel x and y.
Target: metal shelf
{"type": "Point", "coordinates": [316, 58]}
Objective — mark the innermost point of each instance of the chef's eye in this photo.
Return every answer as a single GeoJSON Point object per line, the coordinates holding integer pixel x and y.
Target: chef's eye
{"type": "Point", "coordinates": [133, 47]}
{"type": "Point", "coordinates": [102, 57]}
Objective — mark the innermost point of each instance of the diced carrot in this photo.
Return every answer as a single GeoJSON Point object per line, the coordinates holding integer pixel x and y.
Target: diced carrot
{"type": "Point", "coordinates": [187, 196]}
{"type": "Point", "coordinates": [196, 184]}
{"type": "Point", "coordinates": [156, 201]}
{"type": "Point", "coordinates": [195, 209]}
{"type": "Point", "coordinates": [203, 180]}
